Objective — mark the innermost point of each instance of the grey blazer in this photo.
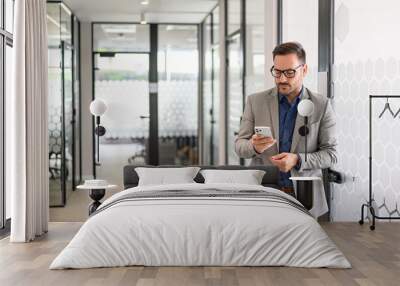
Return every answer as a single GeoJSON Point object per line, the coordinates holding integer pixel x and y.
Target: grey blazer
{"type": "Point", "coordinates": [262, 109]}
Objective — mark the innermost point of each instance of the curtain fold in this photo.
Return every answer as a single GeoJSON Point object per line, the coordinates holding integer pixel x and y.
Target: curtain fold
{"type": "Point", "coordinates": [27, 121]}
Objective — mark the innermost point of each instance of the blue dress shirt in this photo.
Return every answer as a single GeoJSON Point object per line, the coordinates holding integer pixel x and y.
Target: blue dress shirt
{"type": "Point", "coordinates": [287, 120]}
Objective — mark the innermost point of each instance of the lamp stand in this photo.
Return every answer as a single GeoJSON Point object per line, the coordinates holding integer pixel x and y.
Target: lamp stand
{"type": "Point", "coordinates": [99, 131]}
{"type": "Point", "coordinates": [303, 131]}
{"type": "Point", "coordinates": [305, 188]}
{"type": "Point", "coordinates": [305, 194]}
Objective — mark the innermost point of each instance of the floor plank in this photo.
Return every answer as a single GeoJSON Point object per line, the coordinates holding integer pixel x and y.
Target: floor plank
{"type": "Point", "coordinates": [375, 257]}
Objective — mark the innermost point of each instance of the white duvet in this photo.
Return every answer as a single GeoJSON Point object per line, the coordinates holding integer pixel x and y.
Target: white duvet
{"type": "Point", "coordinates": [200, 231]}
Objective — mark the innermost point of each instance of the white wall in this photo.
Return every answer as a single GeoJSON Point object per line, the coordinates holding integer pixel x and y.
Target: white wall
{"type": "Point", "coordinates": [304, 30]}
{"type": "Point", "coordinates": [367, 62]}
{"type": "Point", "coordinates": [271, 33]}
{"type": "Point", "coordinates": [86, 93]}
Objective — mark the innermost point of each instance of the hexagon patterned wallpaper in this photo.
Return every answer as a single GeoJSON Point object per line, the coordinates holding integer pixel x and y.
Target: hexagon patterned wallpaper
{"type": "Point", "coordinates": [366, 64]}
{"type": "Point", "coordinates": [351, 103]}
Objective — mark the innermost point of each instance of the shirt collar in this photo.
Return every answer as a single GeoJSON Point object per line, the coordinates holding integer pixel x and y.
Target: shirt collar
{"type": "Point", "coordinates": [299, 96]}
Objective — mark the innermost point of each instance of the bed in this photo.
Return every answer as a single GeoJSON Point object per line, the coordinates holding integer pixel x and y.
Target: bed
{"type": "Point", "coordinates": [197, 224]}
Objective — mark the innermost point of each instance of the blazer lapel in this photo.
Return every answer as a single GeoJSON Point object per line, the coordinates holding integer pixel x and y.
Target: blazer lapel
{"type": "Point", "coordinates": [274, 113]}
{"type": "Point", "coordinates": [296, 135]}
{"type": "Point", "coordinates": [299, 122]}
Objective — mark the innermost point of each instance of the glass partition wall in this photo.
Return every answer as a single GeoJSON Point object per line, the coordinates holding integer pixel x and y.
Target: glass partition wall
{"type": "Point", "coordinates": [121, 80]}
{"type": "Point", "coordinates": [235, 94]}
{"type": "Point", "coordinates": [178, 68]}
{"type": "Point", "coordinates": [6, 64]}
{"type": "Point", "coordinates": [77, 102]}
{"type": "Point", "coordinates": [245, 68]}
{"type": "Point", "coordinates": [234, 75]}
{"type": "Point", "coordinates": [254, 54]}
{"type": "Point", "coordinates": [207, 96]}
{"type": "Point", "coordinates": [127, 57]}
{"type": "Point", "coordinates": [62, 102]}
{"type": "Point", "coordinates": [210, 96]}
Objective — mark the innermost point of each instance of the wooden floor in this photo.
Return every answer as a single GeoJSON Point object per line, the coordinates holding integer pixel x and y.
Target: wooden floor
{"type": "Point", "coordinates": [375, 257]}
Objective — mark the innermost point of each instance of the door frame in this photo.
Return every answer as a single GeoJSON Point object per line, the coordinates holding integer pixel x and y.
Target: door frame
{"type": "Point", "coordinates": [208, 146]}
{"type": "Point", "coordinates": [241, 31]}
{"type": "Point", "coordinates": [75, 96]}
{"type": "Point", "coordinates": [63, 47]}
{"type": "Point", "coordinates": [153, 90]}
{"type": "Point", "coordinates": [6, 39]}
{"type": "Point", "coordinates": [95, 68]}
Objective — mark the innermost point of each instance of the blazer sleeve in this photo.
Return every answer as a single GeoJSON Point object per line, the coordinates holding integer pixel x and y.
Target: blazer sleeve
{"type": "Point", "coordinates": [243, 146]}
{"type": "Point", "coordinates": [326, 156]}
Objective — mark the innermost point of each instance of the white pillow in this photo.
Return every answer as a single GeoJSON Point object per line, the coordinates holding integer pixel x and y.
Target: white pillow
{"type": "Point", "coordinates": [162, 176]}
{"type": "Point", "coordinates": [249, 177]}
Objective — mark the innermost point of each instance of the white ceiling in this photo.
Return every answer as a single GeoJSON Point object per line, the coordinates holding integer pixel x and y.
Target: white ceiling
{"type": "Point", "coordinates": [157, 11]}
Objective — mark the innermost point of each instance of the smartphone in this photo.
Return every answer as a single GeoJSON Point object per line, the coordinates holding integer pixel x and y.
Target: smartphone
{"type": "Point", "coordinates": [263, 131]}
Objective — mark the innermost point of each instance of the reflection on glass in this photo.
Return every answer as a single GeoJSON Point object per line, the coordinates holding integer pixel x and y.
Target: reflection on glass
{"type": "Point", "coordinates": [1, 21]}
{"type": "Point", "coordinates": [60, 103]}
{"type": "Point", "coordinates": [55, 104]}
{"type": "Point", "coordinates": [65, 24]}
{"type": "Point", "coordinates": [9, 15]}
{"type": "Point", "coordinates": [216, 103]}
{"type": "Point", "coordinates": [3, 174]}
{"type": "Point", "coordinates": [8, 80]}
{"type": "Point", "coordinates": [255, 59]}
{"type": "Point", "coordinates": [233, 15]}
{"type": "Point", "coordinates": [55, 126]}
{"type": "Point", "coordinates": [121, 38]}
{"type": "Point", "coordinates": [68, 119]}
{"type": "Point", "coordinates": [77, 133]}
{"type": "Point", "coordinates": [215, 15]}
{"type": "Point", "coordinates": [207, 95]}
{"type": "Point", "coordinates": [121, 81]}
{"type": "Point", "coordinates": [178, 65]}
{"type": "Point", "coordinates": [53, 26]}
{"type": "Point", "coordinates": [235, 97]}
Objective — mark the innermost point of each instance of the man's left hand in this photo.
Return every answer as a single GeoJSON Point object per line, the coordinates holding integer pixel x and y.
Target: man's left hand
{"type": "Point", "coordinates": [284, 161]}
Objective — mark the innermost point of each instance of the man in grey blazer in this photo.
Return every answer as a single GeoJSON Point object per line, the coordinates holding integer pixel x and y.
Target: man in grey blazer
{"type": "Point", "coordinates": [277, 108]}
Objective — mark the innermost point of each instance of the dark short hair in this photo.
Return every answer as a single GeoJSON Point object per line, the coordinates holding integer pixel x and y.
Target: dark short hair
{"type": "Point", "coordinates": [290, 48]}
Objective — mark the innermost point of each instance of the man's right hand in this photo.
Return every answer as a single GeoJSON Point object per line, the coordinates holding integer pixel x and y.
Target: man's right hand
{"type": "Point", "coordinates": [262, 143]}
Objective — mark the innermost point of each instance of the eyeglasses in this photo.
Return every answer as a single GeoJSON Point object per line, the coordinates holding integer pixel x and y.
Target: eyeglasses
{"type": "Point", "coordinates": [289, 73]}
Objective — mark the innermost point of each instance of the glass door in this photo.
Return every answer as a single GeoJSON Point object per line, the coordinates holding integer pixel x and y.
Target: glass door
{"type": "Point", "coordinates": [215, 104]}
{"type": "Point", "coordinates": [207, 108]}
{"type": "Point", "coordinates": [210, 99]}
{"type": "Point", "coordinates": [235, 95]}
{"type": "Point", "coordinates": [77, 103]}
{"type": "Point", "coordinates": [178, 71]}
{"type": "Point", "coordinates": [215, 85]}
{"type": "Point", "coordinates": [61, 111]}
{"type": "Point", "coordinates": [61, 124]}
{"type": "Point", "coordinates": [68, 122]}
{"type": "Point", "coordinates": [55, 127]}
{"type": "Point", "coordinates": [122, 82]}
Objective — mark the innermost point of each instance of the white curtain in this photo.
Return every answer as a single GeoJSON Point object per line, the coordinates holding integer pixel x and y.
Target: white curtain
{"type": "Point", "coordinates": [27, 137]}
